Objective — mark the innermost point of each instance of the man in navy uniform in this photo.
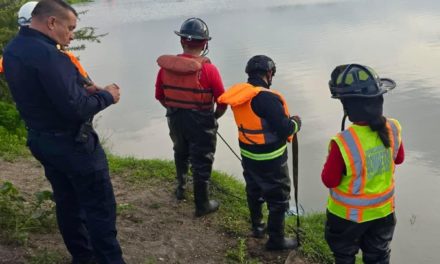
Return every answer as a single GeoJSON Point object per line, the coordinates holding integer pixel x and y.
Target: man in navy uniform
{"type": "Point", "coordinates": [57, 110]}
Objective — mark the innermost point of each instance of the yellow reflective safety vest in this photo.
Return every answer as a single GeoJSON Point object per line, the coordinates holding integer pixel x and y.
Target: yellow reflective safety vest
{"type": "Point", "coordinates": [252, 129]}
{"type": "Point", "coordinates": [366, 191]}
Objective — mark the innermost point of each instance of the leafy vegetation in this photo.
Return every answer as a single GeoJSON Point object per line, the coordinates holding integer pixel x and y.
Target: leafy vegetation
{"type": "Point", "coordinates": [45, 256]}
{"type": "Point", "coordinates": [239, 254]}
{"type": "Point", "coordinates": [19, 217]}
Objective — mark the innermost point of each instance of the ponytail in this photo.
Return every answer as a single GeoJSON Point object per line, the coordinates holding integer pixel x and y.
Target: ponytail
{"type": "Point", "coordinates": [379, 124]}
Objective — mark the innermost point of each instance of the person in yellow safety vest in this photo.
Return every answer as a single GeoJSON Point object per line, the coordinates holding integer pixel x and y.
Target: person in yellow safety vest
{"type": "Point", "coordinates": [24, 20]}
{"type": "Point", "coordinates": [264, 128]}
{"type": "Point", "coordinates": [359, 170]}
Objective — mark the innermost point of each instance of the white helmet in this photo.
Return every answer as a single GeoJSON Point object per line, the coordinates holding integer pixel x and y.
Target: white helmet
{"type": "Point", "coordinates": [25, 13]}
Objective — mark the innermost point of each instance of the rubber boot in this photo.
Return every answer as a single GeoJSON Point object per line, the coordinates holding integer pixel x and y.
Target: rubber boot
{"type": "Point", "coordinates": [255, 209]}
{"type": "Point", "coordinates": [204, 206]}
{"type": "Point", "coordinates": [275, 228]}
{"type": "Point", "coordinates": [181, 185]}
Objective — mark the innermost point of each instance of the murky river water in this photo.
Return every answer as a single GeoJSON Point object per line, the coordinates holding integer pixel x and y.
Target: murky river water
{"type": "Point", "coordinates": [306, 38]}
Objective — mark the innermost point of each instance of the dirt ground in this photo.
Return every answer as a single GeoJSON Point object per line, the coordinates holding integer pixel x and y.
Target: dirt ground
{"type": "Point", "coordinates": [153, 226]}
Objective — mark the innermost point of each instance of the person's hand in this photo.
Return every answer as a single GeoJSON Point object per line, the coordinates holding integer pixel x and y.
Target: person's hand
{"type": "Point", "coordinates": [113, 89]}
{"type": "Point", "coordinates": [298, 122]}
{"type": "Point", "coordinates": [92, 88]}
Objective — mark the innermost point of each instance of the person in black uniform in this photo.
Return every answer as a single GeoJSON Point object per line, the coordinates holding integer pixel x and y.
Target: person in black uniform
{"type": "Point", "coordinates": [264, 128]}
{"type": "Point", "coordinates": [51, 98]}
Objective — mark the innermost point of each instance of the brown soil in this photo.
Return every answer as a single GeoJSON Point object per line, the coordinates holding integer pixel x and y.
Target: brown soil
{"type": "Point", "coordinates": [155, 228]}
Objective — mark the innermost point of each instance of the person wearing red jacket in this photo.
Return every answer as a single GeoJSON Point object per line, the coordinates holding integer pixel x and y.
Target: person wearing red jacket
{"type": "Point", "coordinates": [359, 170]}
{"type": "Point", "coordinates": [188, 86]}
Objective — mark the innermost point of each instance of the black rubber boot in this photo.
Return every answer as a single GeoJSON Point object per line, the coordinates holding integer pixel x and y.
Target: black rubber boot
{"type": "Point", "coordinates": [181, 185]}
{"type": "Point", "coordinates": [182, 167]}
{"type": "Point", "coordinates": [255, 210]}
{"type": "Point", "coordinates": [204, 206]}
{"type": "Point", "coordinates": [275, 228]}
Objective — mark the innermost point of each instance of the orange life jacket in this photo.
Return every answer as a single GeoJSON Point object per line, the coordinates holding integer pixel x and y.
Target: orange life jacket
{"type": "Point", "coordinates": [181, 85]}
{"type": "Point", "coordinates": [252, 129]}
{"type": "Point", "coordinates": [1, 65]}
{"type": "Point", "coordinates": [79, 67]}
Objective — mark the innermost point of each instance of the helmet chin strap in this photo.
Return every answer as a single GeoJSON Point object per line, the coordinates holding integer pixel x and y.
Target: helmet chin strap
{"type": "Point", "coordinates": [343, 121]}
{"type": "Point", "coordinates": [269, 79]}
{"type": "Point", "coordinates": [344, 117]}
{"type": "Point", "coordinates": [205, 50]}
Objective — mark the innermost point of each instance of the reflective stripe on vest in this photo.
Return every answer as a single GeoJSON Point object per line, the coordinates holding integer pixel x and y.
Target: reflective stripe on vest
{"type": "Point", "coordinates": [366, 192]}
{"type": "Point", "coordinates": [395, 131]}
{"type": "Point", "coordinates": [362, 201]}
{"type": "Point", "coordinates": [263, 156]}
{"type": "Point", "coordinates": [181, 85]}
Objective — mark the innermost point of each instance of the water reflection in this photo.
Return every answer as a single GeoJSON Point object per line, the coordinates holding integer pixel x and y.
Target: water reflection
{"type": "Point", "coordinates": [307, 39]}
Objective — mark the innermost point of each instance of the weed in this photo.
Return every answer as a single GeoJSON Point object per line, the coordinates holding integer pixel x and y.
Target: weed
{"type": "Point", "coordinates": [123, 208]}
{"type": "Point", "coordinates": [150, 260]}
{"type": "Point", "coordinates": [19, 217]}
{"type": "Point", "coordinates": [239, 254]}
{"type": "Point", "coordinates": [45, 257]}
{"type": "Point", "coordinates": [155, 206]}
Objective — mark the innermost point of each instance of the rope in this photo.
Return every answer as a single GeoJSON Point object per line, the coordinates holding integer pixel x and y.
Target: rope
{"type": "Point", "coordinates": [236, 155]}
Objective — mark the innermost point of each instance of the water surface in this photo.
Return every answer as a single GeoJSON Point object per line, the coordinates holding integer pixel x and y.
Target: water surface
{"type": "Point", "coordinates": [307, 39]}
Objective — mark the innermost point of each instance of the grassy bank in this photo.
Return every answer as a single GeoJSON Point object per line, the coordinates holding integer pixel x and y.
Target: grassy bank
{"type": "Point", "coordinates": [233, 215]}
{"type": "Point", "coordinates": [33, 215]}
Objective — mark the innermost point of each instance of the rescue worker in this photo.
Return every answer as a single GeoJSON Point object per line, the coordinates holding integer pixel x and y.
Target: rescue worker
{"type": "Point", "coordinates": [188, 86]}
{"type": "Point", "coordinates": [264, 128]}
{"type": "Point", "coordinates": [50, 97]}
{"type": "Point", "coordinates": [359, 170]}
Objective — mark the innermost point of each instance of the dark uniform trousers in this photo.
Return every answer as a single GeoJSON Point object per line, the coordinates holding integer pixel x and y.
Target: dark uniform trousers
{"type": "Point", "coordinates": [194, 142]}
{"type": "Point", "coordinates": [83, 193]}
{"type": "Point", "coordinates": [345, 238]}
{"type": "Point", "coordinates": [268, 180]}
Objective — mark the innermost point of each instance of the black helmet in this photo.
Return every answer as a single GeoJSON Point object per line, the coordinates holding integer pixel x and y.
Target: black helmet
{"type": "Point", "coordinates": [194, 28]}
{"type": "Point", "coordinates": [354, 80]}
{"type": "Point", "coordinates": [260, 63]}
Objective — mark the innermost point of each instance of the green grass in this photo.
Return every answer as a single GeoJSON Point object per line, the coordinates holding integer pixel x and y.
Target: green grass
{"type": "Point", "coordinates": [12, 146]}
{"type": "Point", "coordinates": [313, 245]}
{"type": "Point", "coordinates": [19, 217]}
{"type": "Point", "coordinates": [12, 133]}
{"type": "Point", "coordinates": [45, 256]}
{"type": "Point", "coordinates": [239, 254]}
{"type": "Point", "coordinates": [233, 215]}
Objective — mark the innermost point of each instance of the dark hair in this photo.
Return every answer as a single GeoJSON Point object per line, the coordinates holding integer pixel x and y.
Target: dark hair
{"type": "Point", "coordinates": [379, 124]}
{"type": "Point", "coordinates": [368, 110]}
{"type": "Point", "coordinates": [46, 8]}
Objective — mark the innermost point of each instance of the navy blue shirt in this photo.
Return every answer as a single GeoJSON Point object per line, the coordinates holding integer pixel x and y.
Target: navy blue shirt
{"type": "Point", "coordinates": [270, 107]}
{"type": "Point", "coordinates": [46, 85]}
